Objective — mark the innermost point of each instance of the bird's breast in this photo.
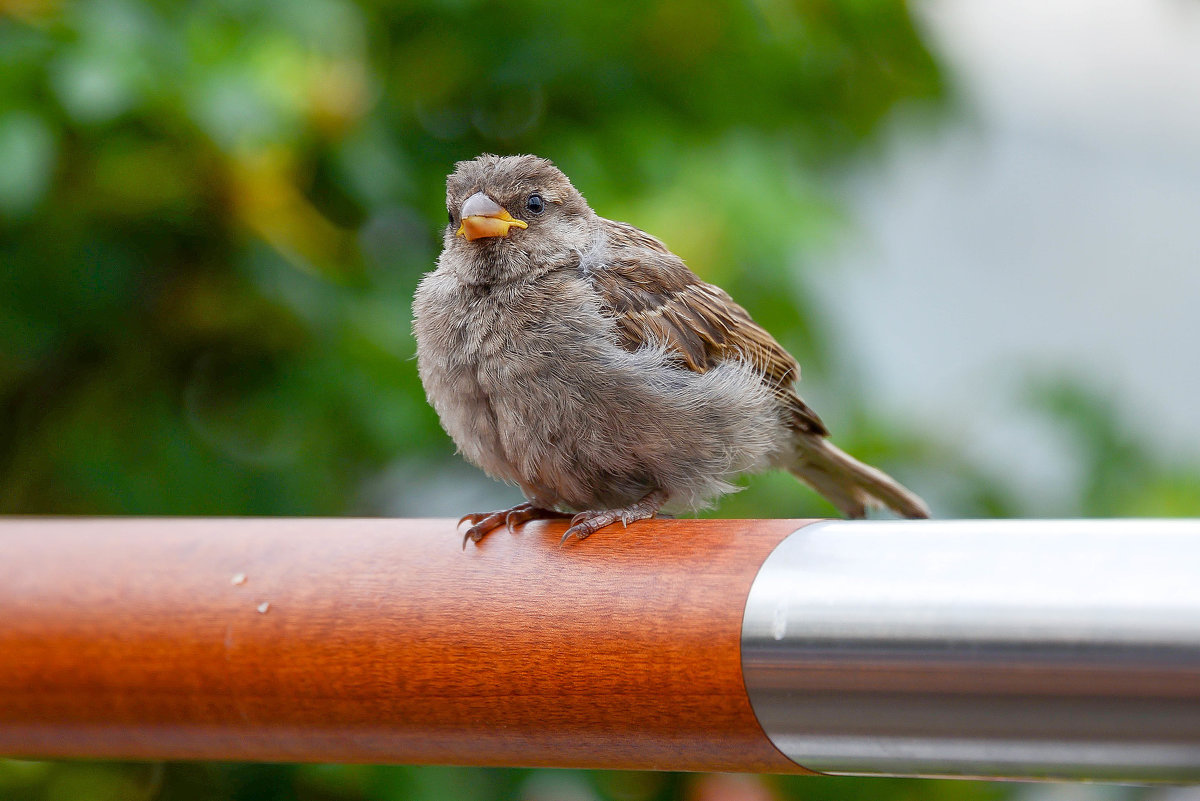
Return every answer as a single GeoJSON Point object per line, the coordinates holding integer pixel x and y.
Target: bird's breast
{"type": "Point", "coordinates": [492, 366]}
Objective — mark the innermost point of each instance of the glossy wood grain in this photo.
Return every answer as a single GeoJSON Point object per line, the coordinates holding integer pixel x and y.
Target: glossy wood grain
{"type": "Point", "coordinates": [380, 641]}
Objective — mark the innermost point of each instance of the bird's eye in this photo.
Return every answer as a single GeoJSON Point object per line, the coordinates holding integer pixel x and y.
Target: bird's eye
{"type": "Point", "coordinates": [535, 204]}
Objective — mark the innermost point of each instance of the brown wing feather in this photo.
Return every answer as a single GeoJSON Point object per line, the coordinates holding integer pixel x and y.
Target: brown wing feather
{"type": "Point", "coordinates": [654, 297]}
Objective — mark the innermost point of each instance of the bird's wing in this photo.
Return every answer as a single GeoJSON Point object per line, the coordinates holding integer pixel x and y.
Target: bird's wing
{"type": "Point", "coordinates": [655, 298]}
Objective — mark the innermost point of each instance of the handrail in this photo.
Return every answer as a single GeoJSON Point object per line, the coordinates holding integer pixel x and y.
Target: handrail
{"type": "Point", "coordinates": [997, 648]}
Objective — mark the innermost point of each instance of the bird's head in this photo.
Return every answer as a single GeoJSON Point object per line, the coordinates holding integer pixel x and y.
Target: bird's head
{"type": "Point", "coordinates": [510, 216]}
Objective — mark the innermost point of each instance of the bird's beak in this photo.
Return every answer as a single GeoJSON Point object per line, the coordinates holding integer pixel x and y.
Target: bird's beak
{"type": "Point", "coordinates": [481, 217]}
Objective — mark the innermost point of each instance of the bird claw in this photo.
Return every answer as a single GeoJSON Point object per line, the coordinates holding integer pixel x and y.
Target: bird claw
{"type": "Point", "coordinates": [471, 535]}
{"type": "Point", "coordinates": [584, 524]}
{"type": "Point", "coordinates": [576, 530]}
{"type": "Point", "coordinates": [482, 523]}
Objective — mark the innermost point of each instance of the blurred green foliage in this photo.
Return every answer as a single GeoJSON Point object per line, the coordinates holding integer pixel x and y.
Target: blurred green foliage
{"type": "Point", "coordinates": [213, 216]}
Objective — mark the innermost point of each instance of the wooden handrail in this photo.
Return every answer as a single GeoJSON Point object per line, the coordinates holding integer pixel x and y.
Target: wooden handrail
{"type": "Point", "coordinates": [355, 640]}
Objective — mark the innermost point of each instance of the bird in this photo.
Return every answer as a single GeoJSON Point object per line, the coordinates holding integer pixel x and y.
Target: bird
{"type": "Point", "coordinates": [580, 359]}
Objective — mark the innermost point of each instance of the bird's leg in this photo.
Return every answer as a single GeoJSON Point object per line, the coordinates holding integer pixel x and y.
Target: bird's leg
{"type": "Point", "coordinates": [585, 524]}
{"type": "Point", "coordinates": [484, 522]}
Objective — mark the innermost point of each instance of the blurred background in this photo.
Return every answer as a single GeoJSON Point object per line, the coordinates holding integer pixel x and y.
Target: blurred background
{"type": "Point", "coordinates": [974, 224]}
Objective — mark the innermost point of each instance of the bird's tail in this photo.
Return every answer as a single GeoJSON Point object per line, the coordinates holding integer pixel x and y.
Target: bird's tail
{"type": "Point", "coordinates": [848, 483]}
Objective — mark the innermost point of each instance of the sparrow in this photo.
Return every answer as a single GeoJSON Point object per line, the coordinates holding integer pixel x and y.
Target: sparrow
{"type": "Point", "coordinates": [580, 359]}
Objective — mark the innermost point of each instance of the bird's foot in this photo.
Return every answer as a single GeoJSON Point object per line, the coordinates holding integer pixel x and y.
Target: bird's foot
{"type": "Point", "coordinates": [484, 522]}
{"type": "Point", "coordinates": [585, 524]}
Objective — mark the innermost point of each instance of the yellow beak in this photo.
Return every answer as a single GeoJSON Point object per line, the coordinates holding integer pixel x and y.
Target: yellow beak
{"type": "Point", "coordinates": [483, 217]}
